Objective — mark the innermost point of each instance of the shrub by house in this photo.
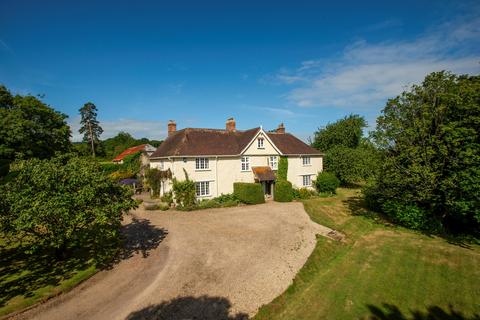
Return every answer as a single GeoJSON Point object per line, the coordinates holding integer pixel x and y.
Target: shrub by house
{"type": "Point", "coordinates": [249, 193]}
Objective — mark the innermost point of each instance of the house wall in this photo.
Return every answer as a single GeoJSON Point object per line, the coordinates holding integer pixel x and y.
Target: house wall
{"type": "Point", "coordinates": [296, 169]}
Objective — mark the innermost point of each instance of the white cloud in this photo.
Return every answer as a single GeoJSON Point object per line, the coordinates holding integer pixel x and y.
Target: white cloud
{"type": "Point", "coordinates": [137, 128]}
{"type": "Point", "coordinates": [367, 74]}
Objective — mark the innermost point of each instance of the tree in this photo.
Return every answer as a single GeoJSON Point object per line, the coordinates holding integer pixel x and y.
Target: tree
{"type": "Point", "coordinates": [351, 165]}
{"type": "Point", "coordinates": [430, 140]}
{"type": "Point", "coordinates": [345, 132]}
{"type": "Point", "coordinates": [348, 156]}
{"type": "Point", "coordinates": [90, 128]}
{"type": "Point", "coordinates": [63, 203]}
{"type": "Point", "coordinates": [30, 129]}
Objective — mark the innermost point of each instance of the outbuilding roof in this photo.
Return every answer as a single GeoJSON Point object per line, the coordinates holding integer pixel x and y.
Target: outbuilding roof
{"type": "Point", "coordinates": [129, 151]}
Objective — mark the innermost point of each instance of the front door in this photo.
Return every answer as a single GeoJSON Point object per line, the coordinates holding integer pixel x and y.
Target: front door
{"type": "Point", "coordinates": [267, 187]}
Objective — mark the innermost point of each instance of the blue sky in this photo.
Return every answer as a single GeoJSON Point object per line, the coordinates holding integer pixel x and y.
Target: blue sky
{"type": "Point", "coordinates": [200, 62]}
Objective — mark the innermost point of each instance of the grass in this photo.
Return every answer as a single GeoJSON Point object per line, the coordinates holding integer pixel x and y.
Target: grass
{"type": "Point", "coordinates": [26, 279]}
{"type": "Point", "coordinates": [379, 272]}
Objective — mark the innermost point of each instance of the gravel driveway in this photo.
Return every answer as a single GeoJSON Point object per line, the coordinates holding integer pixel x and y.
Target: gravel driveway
{"type": "Point", "coordinates": [209, 264]}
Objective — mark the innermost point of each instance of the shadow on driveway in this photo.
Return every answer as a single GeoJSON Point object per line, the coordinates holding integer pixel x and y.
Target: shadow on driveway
{"type": "Point", "coordinates": [203, 307]}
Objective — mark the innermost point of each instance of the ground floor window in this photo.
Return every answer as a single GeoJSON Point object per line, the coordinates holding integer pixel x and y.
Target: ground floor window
{"type": "Point", "coordinates": [202, 188]}
{"type": "Point", "coordinates": [307, 181]}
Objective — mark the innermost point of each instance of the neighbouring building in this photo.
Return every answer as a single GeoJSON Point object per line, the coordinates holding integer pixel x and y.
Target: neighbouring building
{"type": "Point", "coordinates": [146, 149]}
{"type": "Point", "coordinates": [216, 158]}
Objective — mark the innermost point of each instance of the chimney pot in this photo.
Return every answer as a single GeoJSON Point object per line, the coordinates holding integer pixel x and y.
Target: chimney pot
{"type": "Point", "coordinates": [281, 128]}
{"type": "Point", "coordinates": [230, 125]}
{"type": "Point", "coordinates": [172, 127]}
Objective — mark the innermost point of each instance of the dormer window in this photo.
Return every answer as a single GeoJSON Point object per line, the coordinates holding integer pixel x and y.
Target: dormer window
{"type": "Point", "coordinates": [260, 142]}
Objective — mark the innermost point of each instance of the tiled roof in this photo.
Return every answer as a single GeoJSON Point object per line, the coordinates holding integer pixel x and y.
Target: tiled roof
{"type": "Point", "coordinates": [128, 151]}
{"type": "Point", "coordinates": [263, 173]}
{"type": "Point", "coordinates": [291, 145]}
{"type": "Point", "coordinates": [211, 142]}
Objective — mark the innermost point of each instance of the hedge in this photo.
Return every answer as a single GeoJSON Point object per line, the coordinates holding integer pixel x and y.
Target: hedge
{"type": "Point", "coordinates": [249, 193]}
{"type": "Point", "coordinates": [283, 191]}
{"type": "Point", "coordinates": [327, 182]}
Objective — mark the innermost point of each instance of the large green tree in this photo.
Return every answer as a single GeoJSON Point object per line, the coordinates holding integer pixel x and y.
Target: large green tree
{"type": "Point", "coordinates": [90, 127]}
{"type": "Point", "coordinates": [345, 132]}
{"type": "Point", "coordinates": [30, 129]}
{"type": "Point", "coordinates": [430, 138]}
{"type": "Point", "coordinates": [63, 203]}
{"type": "Point", "coordinates": [349, 156]}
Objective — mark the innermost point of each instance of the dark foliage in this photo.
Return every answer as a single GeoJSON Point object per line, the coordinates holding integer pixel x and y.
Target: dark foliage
{"type": "Point", "coordinates": [326, 182]}
{"type": "Point", "coordinates": [62, 203]}
{"type": "Point", "coordinates": [30, 129]}
{"type": "Point", "coordinates": [346, 132]}
{"type": "Point", "coordinates": [283, 191]}
{"type": "Point", "coordinates": [249, 193]}
{"type": "Point", "coordinates": [430, 140]}
{"type": "Point", "coordinates": [282, 171]}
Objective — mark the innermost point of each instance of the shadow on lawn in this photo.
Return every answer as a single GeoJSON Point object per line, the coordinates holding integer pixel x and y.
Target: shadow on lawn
{"type": "Point", "coordinates": [204, 307]}
{"type": "Point", "coordinates": [358, 208]}
{"type": "Point", "coordinates": [391, 312]}
{"type": "Point", "coordinates": [21, 274]}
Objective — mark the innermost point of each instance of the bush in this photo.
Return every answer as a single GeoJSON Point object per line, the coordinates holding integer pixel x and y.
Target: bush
{"type": "Point", "coordinates": [185, 193]}
{"type": "Point", "coordinates": [167, 198]}
{"type": "Point", "coordinates": [249, 193]}
{"type": "Point", "coordinates": [283, 191]}
{"type": "Point", "coordinates": [156, 206]}
{"type": "Point", "coordinates": [282, 171]}
{"type": "Point", "coordinates": [63, 203]}
{"type": "Point", "coordinates": [303, 193]}
{"type": "Point", "coordinates": [408, 215]}
{"type": "Point", "coordinates": [326, 182]}
{"type": "Point", "coordinates": [109, 167]}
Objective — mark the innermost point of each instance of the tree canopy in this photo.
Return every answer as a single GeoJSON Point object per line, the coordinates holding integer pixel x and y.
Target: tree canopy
{"type": "Point", "coordinates": [430, 140]}
{"type": "Point", "coordinates": [345, 132]}
{"type": "Point", "coordinates": [61, 203]}
{"type": "Point", "coordinates": [30, 129]}
{"type": "Point", "coordinates": [349, 156]}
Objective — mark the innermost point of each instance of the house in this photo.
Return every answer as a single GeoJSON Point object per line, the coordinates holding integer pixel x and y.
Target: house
{"type": "Point", "coordinates": [216, 158]}
{"type": "Point", "coordinates": [146, 149]}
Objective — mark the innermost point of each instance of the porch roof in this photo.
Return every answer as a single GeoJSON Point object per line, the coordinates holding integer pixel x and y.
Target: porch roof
{"type": "Point", "coordinates": [263, 173]}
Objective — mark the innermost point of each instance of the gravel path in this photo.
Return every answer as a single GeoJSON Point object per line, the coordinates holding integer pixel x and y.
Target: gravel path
{"type": "Point", "coordinates": [209, 264]}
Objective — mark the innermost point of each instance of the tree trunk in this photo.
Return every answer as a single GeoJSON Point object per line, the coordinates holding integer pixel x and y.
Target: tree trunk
{"type": "Point", "coordinates": [91, 138]}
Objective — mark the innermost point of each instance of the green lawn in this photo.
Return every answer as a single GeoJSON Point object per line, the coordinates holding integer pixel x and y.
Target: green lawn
{"type": "Point", "coordinates": [379, 272]}
{"type": "Point", "coordinates": [27, 279]}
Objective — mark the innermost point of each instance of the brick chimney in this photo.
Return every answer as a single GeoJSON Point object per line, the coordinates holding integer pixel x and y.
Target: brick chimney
{"type": "Point", "coordinates": [281, 128]}
{"type": "Point", "coordinates": [172, 127]}
{"type": "Point", "coordinates": [230, 125]}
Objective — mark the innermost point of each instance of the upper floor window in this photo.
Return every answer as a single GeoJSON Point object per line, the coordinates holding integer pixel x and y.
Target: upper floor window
{"type": "Point", "coordinates": [245, 163]}
{"type": "Point", "coordinates": [201, 164]}
{"type": "Point", "coordinates": [307, 181]}
{"type": "Point", "coordinates": [306, 161]}
{"type": "Point", "coordinates": [260, 142]}
{"type": "Point", "coordinates": [162, 165]}
{"type": "Point", "coordinates": [273, 162]}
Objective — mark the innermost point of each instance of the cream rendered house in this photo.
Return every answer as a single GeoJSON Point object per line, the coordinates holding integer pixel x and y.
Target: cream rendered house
{"type": "Point", "coordinates": [216, 158]}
